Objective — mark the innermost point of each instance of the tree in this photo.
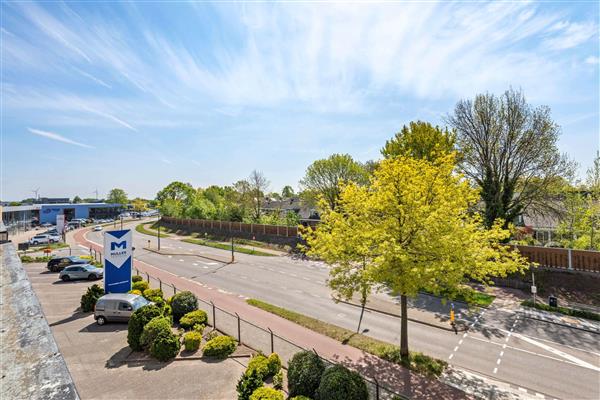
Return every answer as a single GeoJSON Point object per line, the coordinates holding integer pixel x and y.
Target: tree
{"type": "Point", "coordinates": [415, 218]}
{"type": "Point", "coordinates": [117, 196]}
{"type": "Point", "coordinates": [287, 192]}
{"type": "Point", "coordinates": [258, 185]}
{"type": "Point", "coordinates": [76, 200]}
{"type": "Point", "coordinates": [180, 191]}
{"type": "Point", "coordinates": [323, 178]}
{"type": "Point", "coordinates": [139, 205]}
{"type": "Point", "coordinates": [420, 140]}
{"type": "Point", "coordinates": [509, 150]}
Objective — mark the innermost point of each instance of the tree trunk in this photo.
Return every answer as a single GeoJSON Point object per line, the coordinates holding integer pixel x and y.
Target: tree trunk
{"type": "Point", "coordinates": [363, 302]}
{"type": "Point", "coordinates": [403, 328]}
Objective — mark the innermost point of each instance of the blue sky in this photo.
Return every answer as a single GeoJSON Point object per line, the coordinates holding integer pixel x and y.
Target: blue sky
{"type": "Point", "coordinates": [135, 95]}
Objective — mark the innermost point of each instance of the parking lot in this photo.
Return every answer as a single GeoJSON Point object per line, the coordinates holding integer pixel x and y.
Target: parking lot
{"type": "Point", "coordinates": [96, 356]}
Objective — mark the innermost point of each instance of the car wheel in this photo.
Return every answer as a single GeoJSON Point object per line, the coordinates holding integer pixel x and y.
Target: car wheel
{"type": "Point", "coordinates": [92, 277]}
{"type": "Point", "coordinates": [101, 320]}
{"type": "Point", "coordinates": [66, 278]}
{"type": "Point", "coordinates": [35, 243]}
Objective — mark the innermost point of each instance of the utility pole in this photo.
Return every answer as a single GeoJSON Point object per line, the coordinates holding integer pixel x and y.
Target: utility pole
{"type": "Point", "coordinates": [232, 254]}
{"type": "Point", "coordinates": [158, 237]}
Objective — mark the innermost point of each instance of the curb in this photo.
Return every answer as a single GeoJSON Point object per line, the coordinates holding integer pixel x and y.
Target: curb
{"type": "Point", "coordinates": [596, 331]}
{"type": "Point", "coordinates": [460, 327]}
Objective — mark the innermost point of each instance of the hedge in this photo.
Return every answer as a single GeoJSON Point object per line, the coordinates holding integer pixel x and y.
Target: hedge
{"type": "Point", "coordinates": [219, 347]}
{"type": "Point", "coordinates": [304, 374]}
{"type": "Point", "coordinates": [339, 383]}
{"type": "Point", "coordinates": [141, 286]}
{"type": "Point", "coordinates": [563, 310]}
{"type": "Point", "coordinates": [152, 329]}
{"type": "Point", "coordinates": [189, 320]}
{"type": "Point", "coordinates": [165, 346]}
{"type": "Point", "coordinates": [266, 393]}
{"type": "Point", "coordinates": [259, 364]}
{"type": "Point", "coordinates": [183, 303]}
{"type": "Point", "coordinates": [192, 340]}
{"type": "Point", "coordinates": [89, 299]}
{"type": "Point", "coordinates": [138, 320]}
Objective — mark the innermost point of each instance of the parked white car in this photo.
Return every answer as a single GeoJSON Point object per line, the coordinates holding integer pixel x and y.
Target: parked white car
{"type": "Point", "coordinates": [97, 228]}
{"type": "Point", "coordinates": [44, 238]}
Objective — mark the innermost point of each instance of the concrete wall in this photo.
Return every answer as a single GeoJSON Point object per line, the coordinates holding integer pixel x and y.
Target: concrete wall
{"type": "Point", "coordinates": [32, 367]}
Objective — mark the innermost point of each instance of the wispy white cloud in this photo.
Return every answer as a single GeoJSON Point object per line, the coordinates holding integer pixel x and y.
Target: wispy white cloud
{"type": "Point", "coordinates": [58, 138]}
{"type": "Point", "coordinates": [571, 34]}
{"type": "Point", "coordinates": [166, 161]}
{"type": "Point", "coordinates": [93, 78]}
{"type": "Point", "coordinates": [593, 60]}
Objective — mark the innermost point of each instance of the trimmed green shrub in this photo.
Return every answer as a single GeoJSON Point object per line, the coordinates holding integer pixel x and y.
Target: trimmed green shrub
{"type": "Point", "coordinates": [278, 380]}
{"type": "Point", "coordinates": [165, 346]}
{"type": "Point", "coordinates": [339, 383]}
{"type": "Point", "coordinates": [152, 329]}
{"type": "Point", "coordinates": [266, 393]}
{"type": "Point", "coordinates": [299, 398]}
{"type": "Point", "coordinates": [182, 304]}
{"type": "Point", "coordinates": [192, 340]}
{"type": "Point", "coordinates": [259, 364]}
{"type": "Point", "coordinates": [140, 285]}
{"type": "Point", "coordinates": [133, 291]}
{"type": "Point", "coordinates": [211, 335]}
{"type": "Point", "coordinates": [274, 364]}
{"type": "Point", "coordinates": [198, 328]}
{"type": "Point", "coordinates": [136, 278]}
{"type": "Point", "coordinates": [30, 259]}
{"type": "Point", "coordinates": [563, 310]}
{"type": "Point", "coordinates": [150, 294]}
{"type": "Point", "coordinates": [219, 347]}
{"type": "Point", "coordinates": [89, 299]}
{"type": "Point", "coordinates": [197, 317]}
{"type": "Point", "coordinates": [138, 320]}
{"type": "Point", "coordinates": [247, 384]}
{"type": "Point", "coordinates": [304, 374]}
{"type": "Point", "coordinates": [169, 300]}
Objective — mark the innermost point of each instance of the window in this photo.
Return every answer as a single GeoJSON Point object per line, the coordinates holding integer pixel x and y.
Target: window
{"type": "Point", "coordinates": [124, 306]}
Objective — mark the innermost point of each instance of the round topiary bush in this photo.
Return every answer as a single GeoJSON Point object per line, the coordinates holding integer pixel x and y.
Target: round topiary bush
{"type": "Point", "coordinates": [259, 364]}
{"type": "Point", "coordinates": [266, 393]}
{"type": "Point", "coordinates": [274, 364]}
{"type": "Point", "coordinates": [138, 320]}
{"type": "Point", "coordinates": [141, 286]}
{"type": "Point", "coordinates": [183, 303]}
{"type": "Point", "coordinates": [136, 278]}
{"type": "Point", "coordinates": [152, 329]}
{"type": "Point", "coordinates": [197, 317]}
{"type": "Point", "coordinates": [192, 340]}
{"type": "Point", "coordinates": [339, 383]}
{"type": "Point", "coordinates": [150, 294]}
{"type": "Point", "coordinates": [304, 374]}
{"type": "Point", "coordinates": [165, 346]}
{"type": "Point", "coordinates": [219, 347]}
{"type": "Point", "coordinates": [89, 299]}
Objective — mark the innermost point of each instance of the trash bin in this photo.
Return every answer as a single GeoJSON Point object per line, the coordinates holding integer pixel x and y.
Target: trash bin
{"type": "Point", "coordinates": [24, 246]}
{"type": "Point", "coordinates": [552, 301]}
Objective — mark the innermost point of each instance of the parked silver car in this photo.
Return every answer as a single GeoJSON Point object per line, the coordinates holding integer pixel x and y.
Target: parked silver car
{"type": "Point", "coordinates": [117, 307]}
{"type": "Point", "coordinates": [85, 271]}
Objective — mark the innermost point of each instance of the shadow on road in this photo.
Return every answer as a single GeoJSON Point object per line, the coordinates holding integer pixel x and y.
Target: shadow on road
{"type": "Point", "coordinates": [77, 314]}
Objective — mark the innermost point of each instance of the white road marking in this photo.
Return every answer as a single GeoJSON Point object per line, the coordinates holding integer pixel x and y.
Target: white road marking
{"type": "Point", "coordinates": [341, 315]}
{"type": "Point", "coordinates": [195, 264]}
{"type": "Point", "coordinates": [460, 342]}
{"type": "Point", "coordinates": [522, 389]}
{"type": "Point", "coordinates": [294, 275]}
{"type": "Point", "coordinates": [170, 256]}
{"type": "Point", "coordinates": [456, 348]}
{"type": "Point", "coordinates": [451, 355]}
{"type": "Point", "coordinates": [552, 350]}
{"type": "Point", "coordinates": [306, 278]}
{"type": "Point", "coordinates": [205, 267]}
{"type": "Point", "coordinates": [464, 335]}
{"type": "Point", "coordinates": [180, 260]}
{"type": "Point", "coordinates": [498, 361]}
{"type": "Point", "coordinates": [495, 370]}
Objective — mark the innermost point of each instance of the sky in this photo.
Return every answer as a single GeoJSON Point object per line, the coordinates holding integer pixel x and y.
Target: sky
{"type": "Point", "coordinates": [97, 95]}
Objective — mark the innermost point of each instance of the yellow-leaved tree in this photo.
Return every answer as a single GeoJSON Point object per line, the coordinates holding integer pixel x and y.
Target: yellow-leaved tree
{"type": "Point", "coordinates": [413, 228]}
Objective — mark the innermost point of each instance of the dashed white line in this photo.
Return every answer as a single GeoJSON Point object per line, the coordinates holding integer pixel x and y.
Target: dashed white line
{"type": "Point", "coordinates": [495, 370]}
{"type": "Point", "coordinates": [451, 355]}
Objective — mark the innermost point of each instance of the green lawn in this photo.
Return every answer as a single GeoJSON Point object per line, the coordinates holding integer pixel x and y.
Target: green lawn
{"type": "Point", "coordinates": [141, 228]}
{"type": "Point", "coordinates": [418, 361]}
{"type": "Point", "coordinates": [224, 246]}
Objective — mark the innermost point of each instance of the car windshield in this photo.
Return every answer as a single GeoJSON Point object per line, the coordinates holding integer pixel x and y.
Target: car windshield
{"type": "Point", "coordinates": [139, 302]}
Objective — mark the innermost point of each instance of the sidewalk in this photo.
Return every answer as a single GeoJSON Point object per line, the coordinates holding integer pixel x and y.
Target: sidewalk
{"type": "Point", "coordinates": [560, 319]}
{"type": "Point", "coordinates": [388, 374]}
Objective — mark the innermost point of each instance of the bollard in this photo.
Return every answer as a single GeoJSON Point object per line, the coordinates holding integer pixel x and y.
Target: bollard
{"type": "Point", "coordinates": [148, 278]}
{"type": "Point", "coordinates": [174, 290]}
{"type": "Point", "coordinates": [160, 284]}
{"type": "Point", "coordinates": [272, 342]}
{"type": "Point", "coordinates": [239, 330]}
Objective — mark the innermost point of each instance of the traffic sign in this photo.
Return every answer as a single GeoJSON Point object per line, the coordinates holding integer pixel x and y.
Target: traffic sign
{"type": "Point", "coordinates": [118, 248]}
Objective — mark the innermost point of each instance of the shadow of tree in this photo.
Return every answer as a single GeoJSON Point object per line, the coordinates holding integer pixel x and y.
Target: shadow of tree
{"type": "Point", "coordinates": [76, 315]}
{"type": "Point", "coordinates": [395, 378]}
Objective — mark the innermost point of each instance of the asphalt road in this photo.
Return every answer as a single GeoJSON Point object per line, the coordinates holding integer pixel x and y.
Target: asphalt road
{"type": "Point", "coordinates": [538, 359]}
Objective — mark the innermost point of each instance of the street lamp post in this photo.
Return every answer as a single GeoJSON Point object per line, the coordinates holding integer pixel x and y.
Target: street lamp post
{"type": "Point", "coordinates": [158, 237]}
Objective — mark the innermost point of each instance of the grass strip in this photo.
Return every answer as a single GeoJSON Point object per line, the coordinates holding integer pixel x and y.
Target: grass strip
{"type": "Point", "coordinates": [563, 310]}
{"type": "Point", "coordinates": [418, 362]}
{"type": "Point", "coordinates": [141, 228]}
{"type": "Point", "coordinates": [224, 246]}
{"type": "Point", "coordinates": [467, 295]}
{"type": "Point", "coordinates": [30, 259]}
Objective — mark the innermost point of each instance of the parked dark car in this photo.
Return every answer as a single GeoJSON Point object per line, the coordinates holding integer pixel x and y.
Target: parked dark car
{"type": "Point", "coordinates": [59, 263]}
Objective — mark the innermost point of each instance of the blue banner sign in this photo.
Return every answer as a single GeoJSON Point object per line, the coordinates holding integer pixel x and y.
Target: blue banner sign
{"type": "Point", "coordinates": [117, 261]}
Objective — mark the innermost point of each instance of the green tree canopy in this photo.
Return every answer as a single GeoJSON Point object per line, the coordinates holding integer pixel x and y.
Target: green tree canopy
{"type": "Point", "coordinates": [509, 150]}
{"type": "Point", "coordinates": [77, 199]}
{"type": "Point", "coordinates": [287, 192]}
{"type": "Point", "coordinates": [420, 140]}
{"type": "Point", "coordinates": [323, 178]}
{"type": "Point", "coordinates": [117, 196]}
{"type": "Point", "coordinates": [180, 191]}
{"type": "Point", "coordinates": [413, 222]}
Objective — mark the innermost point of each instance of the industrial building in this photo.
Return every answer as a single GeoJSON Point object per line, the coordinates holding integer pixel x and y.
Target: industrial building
{"type": "Point", "coordinates": [46, 213]}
